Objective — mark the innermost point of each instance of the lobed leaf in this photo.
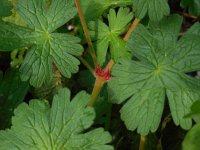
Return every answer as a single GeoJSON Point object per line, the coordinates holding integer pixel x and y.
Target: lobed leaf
{"type": "Point", "coordinates": [159, 71]}
{"type": "Point", "coordinates": [37, 126]}
{"type": "Point", "coordinates": [180, 103]}
{"type": "Point", "coordinates": [142, 112]}
{"type": "Point", "coordinates": [108, 36]}
{"type": "Point", "coordinates": [45, 46]}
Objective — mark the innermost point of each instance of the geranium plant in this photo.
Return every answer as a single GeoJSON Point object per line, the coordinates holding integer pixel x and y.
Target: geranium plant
{"type": "Point", "coordinates": [131, 66]}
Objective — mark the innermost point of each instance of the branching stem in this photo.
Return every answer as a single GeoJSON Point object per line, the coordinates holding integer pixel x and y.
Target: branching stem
{"type": "Point", "coordinates": [99, 82]}
{"type": "Point", "coordinates": [126, 37]}
{"type": "Point", "coordinates": [87, 34]}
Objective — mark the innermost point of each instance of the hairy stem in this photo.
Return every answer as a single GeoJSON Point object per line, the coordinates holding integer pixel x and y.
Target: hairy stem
{"type": "Point", "coordinates": [134, 24]}
{"type": "Point", "coordinates": [87, 34]}
{"type": "Point", "coordinates": [142, 143]}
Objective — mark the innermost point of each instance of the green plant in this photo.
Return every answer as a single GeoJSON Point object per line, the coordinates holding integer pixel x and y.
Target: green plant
{"type": "Point", "coordinates": [191, 141]}
{"type": "Point", "coordinates": [192, 6]}
{"type": "Point", "coordinates": [161, 70]}
{"type": "Point", "coordinates": [148, 65]}
{"type": "Point", "coordinates": [6, 7]}
{"type": "Point", "coordinates": [60, 127]}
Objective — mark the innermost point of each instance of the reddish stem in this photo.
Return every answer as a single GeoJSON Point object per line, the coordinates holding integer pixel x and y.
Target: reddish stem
{"type": "Point", "coordinates": [134, 24]}
{"type": "Point", "coordinates": [87, 34]}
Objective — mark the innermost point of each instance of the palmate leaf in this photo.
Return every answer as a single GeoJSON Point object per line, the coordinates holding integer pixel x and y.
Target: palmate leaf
{"type": "Point", "coordinates": [156, 9]}
{"type": "Point", "coordinates": [160, 70]}
{"type": "Point", "coordinates": [38, 127]}
{"type": "Point", "coordinates": [108, 36]}
{"type": "Point", "coordinates": [45, 46]}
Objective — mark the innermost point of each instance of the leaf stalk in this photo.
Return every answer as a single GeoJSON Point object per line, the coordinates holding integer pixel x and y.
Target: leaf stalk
{"type": "Point", "coordinates": [99, 82]}
{"type": "Point", "coordinates": [133, 26]}
{"type": "Point", "coordinates": [104, 75]}
{"type": "Point", "coordinates": [87, 34]}
{"type": "Point", "coordinates": [142, 142]}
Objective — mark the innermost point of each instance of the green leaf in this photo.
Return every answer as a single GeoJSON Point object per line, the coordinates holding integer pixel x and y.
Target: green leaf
{"type": "Point", "coordinates": [180, 103]}
{"type": "Point", "coordinates": [5, 8]}
{"type": "Point", "coordinates": [97, 7]}
{"type": "Point", "coordinates": [192, 5]}
{"type": "Point", "coordinates": [45, 46]}
{"type": "Point", "coordinates": [156, 9]}
{"type": "Point", "coordinates": [192, 138]}
{"type": "Point", "coordinates": [187, 52]}
{"type": "Point", "coordinates": [13, 36]}
{"type": "Point", "coordinates": [142, 115]}
{"type": "Point", "coordinates": [108, 36]}
{"type": "Point", "coordinates": [159, 71]}
{"type": "Point", "coordinates": [194, 111]}
{"type": "Point", "coordinates": [37, 126]}
{"type": "Point", "coordinates": [12, 93]}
